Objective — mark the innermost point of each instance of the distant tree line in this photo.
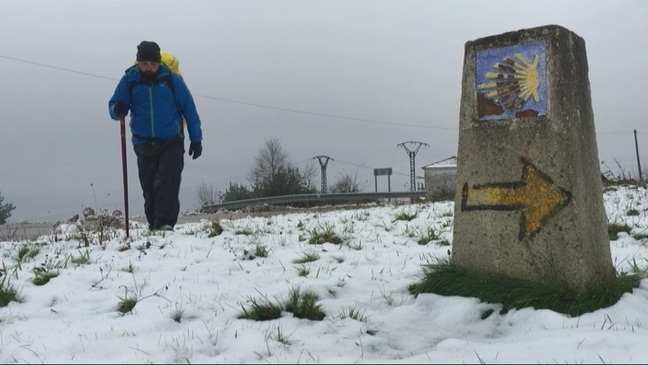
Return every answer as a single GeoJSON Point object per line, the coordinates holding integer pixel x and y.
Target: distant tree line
{"type": "Point", "coordinates": [274, 174]}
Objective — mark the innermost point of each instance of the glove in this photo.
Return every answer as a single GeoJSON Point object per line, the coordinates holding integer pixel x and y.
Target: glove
{"type": "Point", "coordinates": [195, 149]}
{"type": "Point", "coordinates": [120, 109]}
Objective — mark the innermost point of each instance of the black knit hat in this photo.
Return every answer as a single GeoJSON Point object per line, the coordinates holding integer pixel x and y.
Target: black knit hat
{"type": "Point", "coordinates": [148, 51]}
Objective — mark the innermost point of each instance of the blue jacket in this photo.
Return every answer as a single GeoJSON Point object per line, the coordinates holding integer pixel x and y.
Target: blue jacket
{"type": "Point", "coordinates": [156, 111]}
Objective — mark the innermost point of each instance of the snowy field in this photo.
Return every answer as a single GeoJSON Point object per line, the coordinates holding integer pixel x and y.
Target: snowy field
{"type": "Point", "coordinates": [191, 289]}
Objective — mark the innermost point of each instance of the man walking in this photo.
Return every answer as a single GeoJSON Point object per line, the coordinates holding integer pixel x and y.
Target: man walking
{"type": "Point", "coordinates": [158, 100]}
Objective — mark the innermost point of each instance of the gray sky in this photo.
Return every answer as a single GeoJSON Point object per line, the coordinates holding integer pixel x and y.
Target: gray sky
{"type": "Point", "coordinates": [394, 61]}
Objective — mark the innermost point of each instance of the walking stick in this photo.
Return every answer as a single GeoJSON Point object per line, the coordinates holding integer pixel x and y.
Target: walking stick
{"type": "Point", "coordinates": [122, 127]}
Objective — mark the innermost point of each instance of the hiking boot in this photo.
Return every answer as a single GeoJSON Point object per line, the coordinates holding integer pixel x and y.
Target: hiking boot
{"type": "Point", "coordinates": [166, 227]}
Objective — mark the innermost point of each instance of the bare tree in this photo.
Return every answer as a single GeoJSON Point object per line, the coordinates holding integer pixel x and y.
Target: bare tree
{"type": "Point", "coordinates": [268, 163]}
{"type": "Point", "coordinates": [310, 173]}
{"type": "Point", "coordinates": [347, 183]}
{"type": "Point", "coordinates": [206, 194]}
{"type": "Point", "coordinates": [273, 174]}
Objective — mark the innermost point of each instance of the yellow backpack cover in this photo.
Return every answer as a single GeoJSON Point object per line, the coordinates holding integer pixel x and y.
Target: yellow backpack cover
{"type": "Point", "coordinates": [170, 61]}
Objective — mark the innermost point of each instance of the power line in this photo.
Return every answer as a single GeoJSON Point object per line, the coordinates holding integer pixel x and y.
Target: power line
{"type": "Point", "coordinates": [624, 132]}
{"type": "Point", "coordinates": [366, 167]}
{"type": "Point", "coordinates": [59, 68]}
{"type": "Point", "coordinates": [290, 110]}
{"type": "Point", "coordinates": [264, 105]}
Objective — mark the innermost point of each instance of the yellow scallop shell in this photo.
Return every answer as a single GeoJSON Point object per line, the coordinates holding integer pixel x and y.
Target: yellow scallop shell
{"type": "Point", "coordinates": [515, 80]}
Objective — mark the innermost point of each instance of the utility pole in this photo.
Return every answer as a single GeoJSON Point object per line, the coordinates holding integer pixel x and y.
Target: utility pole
{"type": "Point", "coordinates": [412, 155]}
{"type": "Point", "coordinates": [637, 151]}
{"type": "Point", "coordinates": [323, 161]}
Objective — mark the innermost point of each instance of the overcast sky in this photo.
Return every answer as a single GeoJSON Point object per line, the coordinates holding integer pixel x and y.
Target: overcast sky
{"type": "Point", "coordinates": [393, 61]}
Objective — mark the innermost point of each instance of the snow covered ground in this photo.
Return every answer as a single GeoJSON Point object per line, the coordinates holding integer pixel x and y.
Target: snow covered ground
{"type": "Point", "coordinates": [192, 288]}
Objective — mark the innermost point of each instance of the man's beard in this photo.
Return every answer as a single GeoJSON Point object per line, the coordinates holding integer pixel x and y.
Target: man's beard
{"type": "Point", "coordinates": [147, 75]}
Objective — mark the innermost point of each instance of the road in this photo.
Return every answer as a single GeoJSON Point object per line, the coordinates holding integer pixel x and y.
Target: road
{"type": "Point", "coordinates": [25, 231]}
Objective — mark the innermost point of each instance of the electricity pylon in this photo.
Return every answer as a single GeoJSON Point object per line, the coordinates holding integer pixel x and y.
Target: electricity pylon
{"type": "Point", "coordinates": [323, 161]}
{"type": "Point", "coordinates": [412, 155]}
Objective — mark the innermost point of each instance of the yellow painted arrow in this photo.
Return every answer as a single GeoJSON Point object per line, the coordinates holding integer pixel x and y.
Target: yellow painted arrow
{"type": "Point", "coordinates": [536, 196]}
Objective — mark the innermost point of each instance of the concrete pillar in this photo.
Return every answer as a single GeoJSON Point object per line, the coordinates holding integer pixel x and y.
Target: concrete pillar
{"type": "Point", "coordinates": [529, 200]}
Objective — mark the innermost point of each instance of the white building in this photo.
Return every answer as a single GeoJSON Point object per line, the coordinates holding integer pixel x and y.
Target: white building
{"type": "Point", "coordinates": [440, 179]}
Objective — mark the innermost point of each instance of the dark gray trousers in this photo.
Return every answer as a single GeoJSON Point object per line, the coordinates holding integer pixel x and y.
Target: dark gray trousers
{"type": "Point", "coordinates": [160, 173]}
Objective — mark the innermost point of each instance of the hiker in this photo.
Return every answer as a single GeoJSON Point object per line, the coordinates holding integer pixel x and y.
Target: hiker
{"type": "Point", "coordinates": [159, 103]}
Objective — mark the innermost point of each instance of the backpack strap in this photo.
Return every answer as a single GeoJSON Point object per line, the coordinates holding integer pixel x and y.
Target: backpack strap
{"type": "Point", "coordinates": [165, 78]}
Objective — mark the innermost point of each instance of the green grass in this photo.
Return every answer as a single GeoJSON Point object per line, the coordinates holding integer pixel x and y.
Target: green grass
{"type": "Point", "coordinates": [263, 310]}
{"type": "Point", "coordinates": [444, 278]}
{"type": "Point", "coordinates": [126, 305]}
{"type": "Point", "coordinates": [353, 313]}
{"type": "Point", "coordinates": [26, 252]}
{"type": "Point", "coordinates": [214, 229]}
{"type": "Point", "coordinates": [307, 257]}
{"type": "Point", "coordinates": [244, 232]}
{"type": "Point", "coordinates": [303, 271]}
{"type": "Point", "coordinates": [83, 259]}
{"type": "Point", "coordinates": [301, 305]}
{"type": "Point", "coordinates": [615, 228]}
{"type": "Point", "coordinates": [632, 212]}
{"type": "Point", "coordinates": [405, 216]}
{"type": "Point", "coordinates": [42, 276]}
{"type": "Point", "coordinates": [324, 235]}
{"type": "Point", "coordinates": [429, 236]}
{"type": "Point", "coordinates": [261, 251]}
{"type": "Point", "coordinates": [8, 292]}
{"type": "Point", "coordinates": [640, 236]}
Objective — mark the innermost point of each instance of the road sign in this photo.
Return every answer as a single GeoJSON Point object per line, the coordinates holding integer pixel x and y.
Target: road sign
{"type": "Point", "coordinates": [383, 171]}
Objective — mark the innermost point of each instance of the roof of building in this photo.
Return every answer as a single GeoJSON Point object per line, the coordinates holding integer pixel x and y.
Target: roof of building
{"type": "Point", "coordinates": [447, 162]}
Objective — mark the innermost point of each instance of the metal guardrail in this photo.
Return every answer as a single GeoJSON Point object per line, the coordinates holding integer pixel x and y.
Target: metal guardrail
{"type": "Point", "coordinates": [305, 198]}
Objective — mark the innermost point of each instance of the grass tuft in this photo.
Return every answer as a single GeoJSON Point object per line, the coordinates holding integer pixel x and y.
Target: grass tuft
{"type": "Point", "coordinates": [405, 216]}
{"type": "Point", "coordinates": [307, 257]}
{"type": "Point", "coordinates": [177, 315]}
{"type": "Point", "coordinates": [83, 259]}
{"type": "Point", "coordinates": [324, 235]}
{"type": "Point", "coordinates": [214, 229]}
{"type": "Point", "coordinates": [25, 252]}
{"type": "Point", "coordinates": [615, 228]}
{"type": "Point", "coordinates": [304, 305]}
{"type": "Point", "coordinates": [353, 313]}
{"type": "Point", "coordinates": [444, 278]}
{"type": "Point", "coordinates": [42, 276]}
{"type": "Point", "coordinates": [301, 305]}
{"type": "Point", "coordinates": [261, 251]}
{"type": "Point", "coordinates": [632, 212]}
{"type": "Point", "coordinates": [126, 305]}
{"type": "Point", "coordinates": [429, 236]}
{"type": "Point", "coordinates": [8, 292]}
{"type": "Point", "coordinates": [264, 310]}
{"type": "Point", "coordinates": [303, 270]}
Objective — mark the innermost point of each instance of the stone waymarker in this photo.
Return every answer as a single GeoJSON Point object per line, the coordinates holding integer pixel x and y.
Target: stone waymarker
{"type": "Point", "coordinates": [529, 201]}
